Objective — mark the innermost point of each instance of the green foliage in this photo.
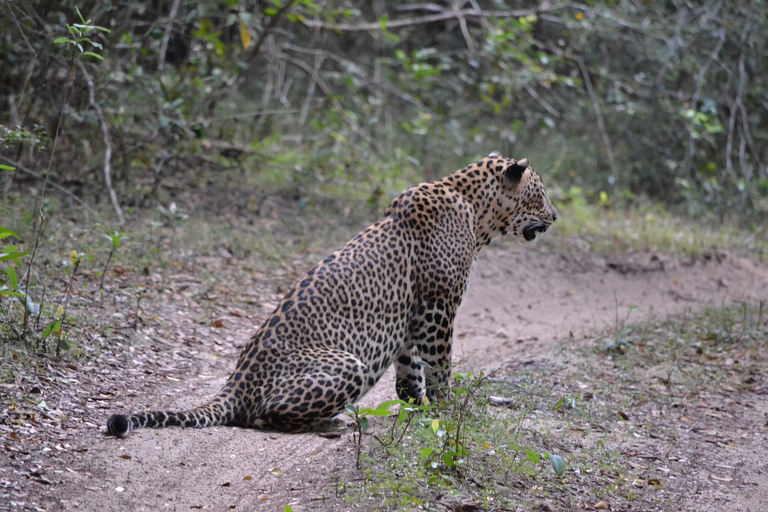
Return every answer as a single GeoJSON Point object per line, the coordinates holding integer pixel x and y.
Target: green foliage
{"type": "Point", "coordinates": [77, 32]}
{"type": "Point", "coordinates": [371, 97]}
{"type": "Point", "coordinates": [447, 445]}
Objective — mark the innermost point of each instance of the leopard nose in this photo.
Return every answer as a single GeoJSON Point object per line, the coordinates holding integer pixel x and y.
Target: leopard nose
{"type": "Point", "coordinates": [555, 215]}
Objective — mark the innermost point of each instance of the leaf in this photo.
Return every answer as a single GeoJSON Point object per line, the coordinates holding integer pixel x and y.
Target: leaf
{"type": "Point", "coordinates": [245, 35]}
{"type": "Point", "coordinates": [51, 327]}
{"type": "Point", "coordinates": [12, 293]}
{"type": "Point", "coordinates": [363, 423]}
{"type": "Point", "coordinates": [426, 452]}
{"type": "Point", "coordinates": [248, 478]}
{"type": "Point", "coordinates": [126, 457]}
{"type": "Point", "coordinates": [218, 323]}
{"type": "Point", "coordinates": [435, 425]}
{"type": "Point", "coordinates": [6, 168]}
{"type": "Point", "coordinates": [276, 471]}
{"type": "Point", "coordinates": [557, 464]}
{"type": "Point", "coordinates": [12, 277]}
{"type": "Point", "coordinates": [351, 409]}
{"type": "Point", "coordinates": [533, 456]}
{"type": "Point", "coordinates": [94, 55]}
{"type": "Point", "coordinates": [13, 256]}
{"type": "Point", "coordinates": [59, 311]}
{"type": "Point", "coordinates": [383, 408]}
{"type": "Point", "coordinates": [8, 232]}
{"type": "Point", "coordinates": [63, 40]}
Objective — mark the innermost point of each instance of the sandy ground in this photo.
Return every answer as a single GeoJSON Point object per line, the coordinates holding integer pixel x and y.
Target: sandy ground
{"type": "Point", "coordinates": [519, 303]}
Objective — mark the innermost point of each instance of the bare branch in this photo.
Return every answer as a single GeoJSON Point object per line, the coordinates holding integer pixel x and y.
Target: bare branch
{"type": "Point", "coordinates": [464, 29]}
{"type": "Point", "coordinates": [311, 89]}
{"type": "Point", "coordinates": [167, 35]}
{"type": "Point", "coordinates": [355, 68]}
{"type": "Point", "coordinates": [432, 18]}
{"type": "Point", "coordinates": [336, 103]}
{"type": "Point", "coordinates": [699, 84]}
{"type": "Point", "coordinates": [107, 143]}
{"type": "Point", "coordinates": [599, 115]}
{"type": "Point", "coordinates": [549, 108]}
{"type": "Point", "coordinates": [55, 185]}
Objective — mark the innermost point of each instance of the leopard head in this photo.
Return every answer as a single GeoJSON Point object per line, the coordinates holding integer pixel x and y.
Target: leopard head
{"type": "Point", "coordinates": [522, 205]}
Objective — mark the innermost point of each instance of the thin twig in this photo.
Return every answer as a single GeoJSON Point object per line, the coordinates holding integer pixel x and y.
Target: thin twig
{"type": "Point", "coordinates": [464, 28]}
{"type": "Point", "coordinates": [167, 35]}
{"type": "Point", "coordinates": [60, 188]}
{"type": "Point", "coordinates": [432, 18]}
{"type": "Point", "coordinates": [311, 89]}
{"type": "Point", "coordinates": [107, 143]}
{"type": "Point", "coordinates": [694, 100]}
{"type": "Point", "coordinates": [336, 103]}
{"type": "Point", "coordinates": [549, 108]}
{"type": "Point", "coordinates": [599, 115]}
{"type": "Point", "coordinates": [66, 304]}
{"type": "Point", "coordinates": [352, 67]}
{"type": "Point", "coordinates": [67, 89]}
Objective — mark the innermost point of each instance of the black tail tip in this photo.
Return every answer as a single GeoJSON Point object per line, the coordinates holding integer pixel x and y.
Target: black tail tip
{"type": "Point", "coordinates": [118, 425]}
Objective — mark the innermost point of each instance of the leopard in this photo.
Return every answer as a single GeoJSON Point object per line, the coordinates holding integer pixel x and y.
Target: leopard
{"type": "Point", "coordinates": [388, 296]}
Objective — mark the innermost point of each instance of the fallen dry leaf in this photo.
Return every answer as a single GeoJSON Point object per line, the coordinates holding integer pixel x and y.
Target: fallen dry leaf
{"type": "Point", "coordinates": [600, 505]}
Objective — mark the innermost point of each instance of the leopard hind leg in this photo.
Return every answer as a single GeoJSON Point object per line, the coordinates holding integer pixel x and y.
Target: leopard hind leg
{"type": "Point", "coordinates": [310, 399]}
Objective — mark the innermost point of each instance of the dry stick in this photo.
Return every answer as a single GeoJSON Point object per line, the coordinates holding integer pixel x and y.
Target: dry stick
{"type": "Point", "coordinates": [254, 52]}
{"type": "Point", "coordinates": [167, 35]}
{"type": "Point", "coordinates": [464, 29]}
{"type": "Point", "coordinates": [699, 84]}
{"type": "Point", "coordinates": [432, 18]}
{"type": "Point", "coordinates": [549, 108]}
{"type": "Point", "coordinates": [354, 68]}
{"type": "Point", "coordinates": [106, 266]}
{"type": "Point", "coordinates": [311, 89]}
{"type": "Point", "coordinates": [107, 143]}
{"type": "Point", "coordinates": [67, 87]}
{"type": "Point", "coordinates": [600, 122]}
{"type": "Point", "coordinates": [336, 103]}
{"type": "Point", "coordinates": [55, 185]}
{"type": "Point", "coordinates": [66, 304]}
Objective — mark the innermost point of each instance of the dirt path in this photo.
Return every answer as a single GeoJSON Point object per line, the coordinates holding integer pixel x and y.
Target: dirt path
{"type": "Point", "coordinates": [519, 303]}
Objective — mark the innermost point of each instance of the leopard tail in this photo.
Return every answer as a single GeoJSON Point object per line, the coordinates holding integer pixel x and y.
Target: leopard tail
{"type": "Point", "coordinates": [217, 412]}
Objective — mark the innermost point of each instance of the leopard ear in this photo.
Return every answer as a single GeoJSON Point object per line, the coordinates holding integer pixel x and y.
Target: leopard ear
{"type": "Point", "coordinates": [514, 172]}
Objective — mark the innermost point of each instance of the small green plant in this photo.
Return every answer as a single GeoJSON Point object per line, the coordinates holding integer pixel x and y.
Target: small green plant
{"type": "Point", "coordinates": [361, 423]}
{"type": "Point", "coordinates": [78, 32]}
{"type": "Point", "coordinates": [115, 238]}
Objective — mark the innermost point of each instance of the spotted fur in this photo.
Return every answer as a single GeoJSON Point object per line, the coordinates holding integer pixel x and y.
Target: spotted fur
{"type": "Point", "coordinates": [388, 296]}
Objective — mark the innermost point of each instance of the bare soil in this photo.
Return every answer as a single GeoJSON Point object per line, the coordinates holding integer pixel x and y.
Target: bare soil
{"type": "Point", "coordinates": [178, 348]}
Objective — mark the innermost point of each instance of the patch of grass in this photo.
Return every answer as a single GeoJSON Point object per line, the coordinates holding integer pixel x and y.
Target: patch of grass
{"type": "Point", "coordinates": [635, 419]}
{"type": "Point", "coordinates": [718, 345]}
{"type": "Point", "coordinates": [467, 452]}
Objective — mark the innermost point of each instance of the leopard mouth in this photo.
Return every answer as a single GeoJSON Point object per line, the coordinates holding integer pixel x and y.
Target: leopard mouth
{"type": "Point", "coordinates": [529, 231]}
